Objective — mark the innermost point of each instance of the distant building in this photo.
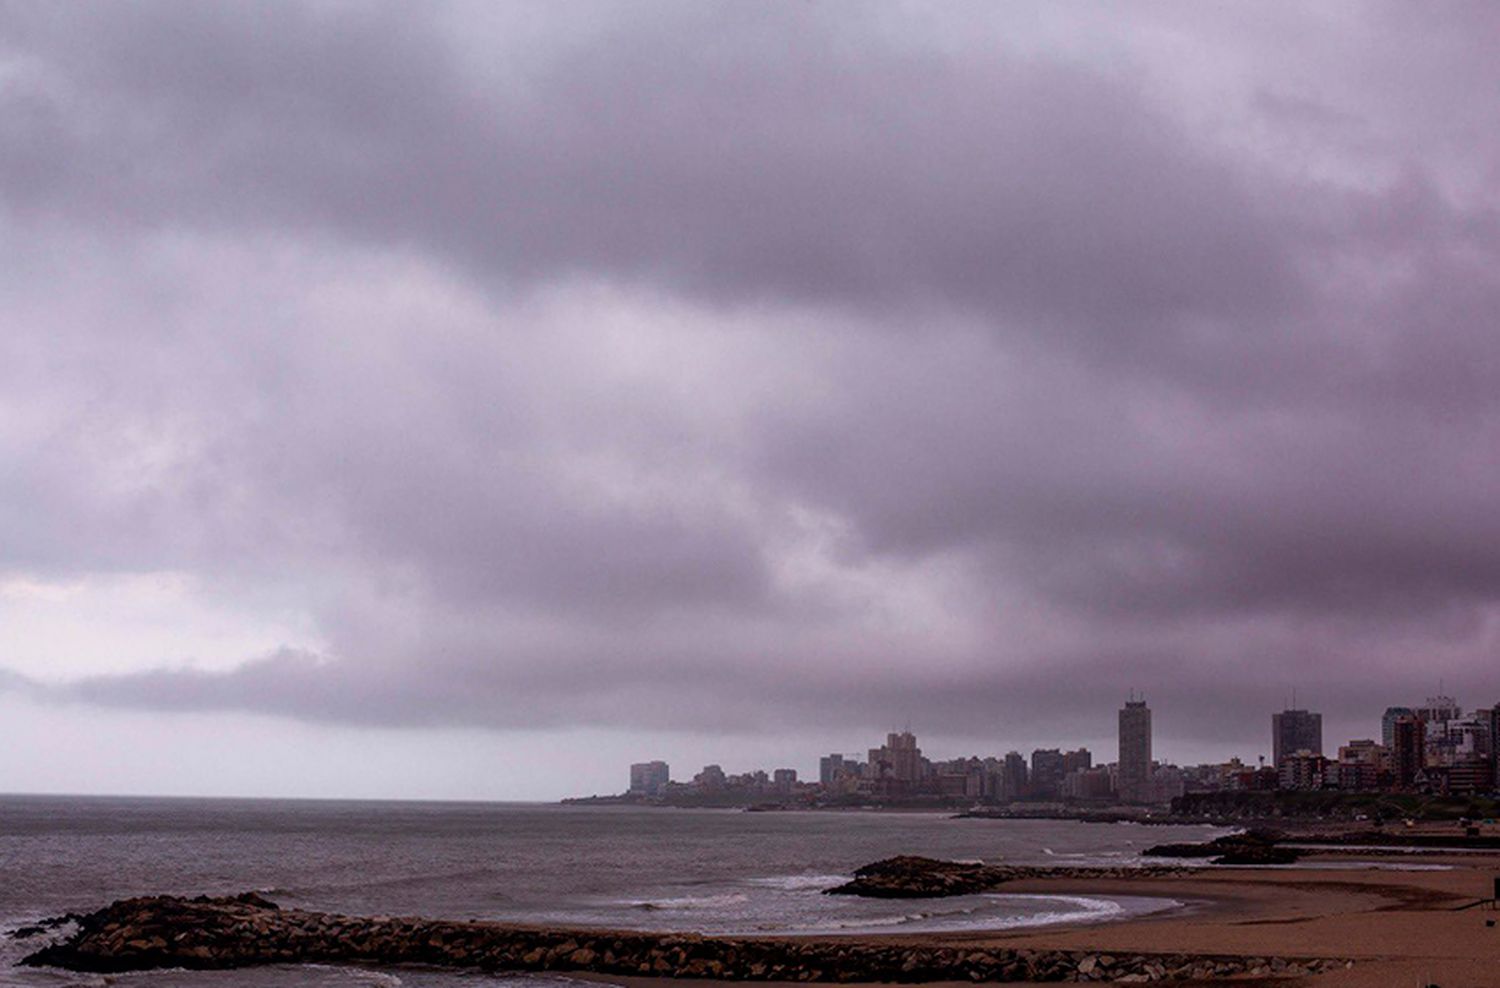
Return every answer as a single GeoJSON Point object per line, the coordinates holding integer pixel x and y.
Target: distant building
{"type": "Point", "coordinates": [784, 779]}
{"type": "Point", "coordinates": [1470, 774]}
{"type": "Point", "coordinates": [1046, 772]}
{"type": "Point", "coordinates": [1408, 751]}
{"type": "Point", "coordinates": [1167, 783]}
{"type": "Point", "coordinates": [1435, 713]}
{"type": "Point", "coordinates": [1087, 783]}
{"type": "Point", "coordinates": [1493, 716]}
{"type": "Point", "coordinates": [712, 778]}
{"type": "Point", "coordinates": [1388, 723]}
{"type": "Point", "coordinates": [1470, 737]}
{"type": "Point", "coordinates": [1363, 766]}
{"type": "Point", "coordinates": [1135, 767]}
{"type": "Point", "coordinates": [898, 762]}
{"type": "Point", "coordinates": [1077, 761]}
{"type": "Point", "coordinates": [1439, 710]}
{"type": "Point", "coordinates": [1014, 776]}
{"type": "Point", "coordinates": [1303, 770]}
{"type": "Point", "coordinates": [649, 778]}
{"type": "Point", "coordinates": [830, 767]}
{"type": "Point", "coordinates": [1293, 731]}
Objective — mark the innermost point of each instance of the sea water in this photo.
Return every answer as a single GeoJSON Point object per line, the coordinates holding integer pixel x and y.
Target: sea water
{"type": "Point", "coordinates": [710, 871]}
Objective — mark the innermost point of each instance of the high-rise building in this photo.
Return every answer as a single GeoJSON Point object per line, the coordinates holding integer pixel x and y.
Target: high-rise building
{"type": "Point", "coordinates": [899, 761]}
{"type": "Point", "coordinates": [1077, 761]}
{"type": "Point", "coordinates": [649, 778]}
{"type": "Point", "coordinates": [1135, 752]}
{"type": "Point", "coordinates": [1293, 731]}
{"type": "Point", "coordinates": [1408, 750]}
{"type": "Point", "coordinates": [829, 767]}
{"type": "Point", "coordinates": [1435, 713]}
{"type": "Point", "coordinates": [1440, 710]}
{"type": "Point", "coordinates": [1015, 776]}
{"type": "Point", "coordinates": [784, 779]}
{"type": "Point", "coordinates": [1047, 772]}
{"type": "Point", "coordinates": [1493, 716]}
{"type": "Point", "coordinates": [1388, 721]}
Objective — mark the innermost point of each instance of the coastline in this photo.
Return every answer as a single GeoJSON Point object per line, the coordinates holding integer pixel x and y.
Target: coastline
{"type": "Point", "coordinates": [1391, 926]}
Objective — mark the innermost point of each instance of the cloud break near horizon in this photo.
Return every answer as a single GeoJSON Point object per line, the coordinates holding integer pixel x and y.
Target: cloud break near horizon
{"type": "Point", "coordinates": [470, 399]}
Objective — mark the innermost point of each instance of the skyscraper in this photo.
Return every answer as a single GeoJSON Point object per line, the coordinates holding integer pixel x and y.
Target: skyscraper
{"type": "Point", "coordinates": [1407, 749]}
{"type": "Point", "coordinates": [1046, 772]}
{"type": "Point", "coordinates": [1135, 751]}
{"type": "Point", "coordinates": [1388, 723]}
{"type": "Point", "coordinates": [1293, 731]}
{"type": "Point", "coordinates": [1015, 775]}
{"type": "Point", "coordinates": [1493, 715]}
{"type": "Point", "coordinates": [899, 761]}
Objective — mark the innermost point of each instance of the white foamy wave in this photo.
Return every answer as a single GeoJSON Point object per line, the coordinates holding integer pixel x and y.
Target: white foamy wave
{"type": "Point", "coordinates": [692, 902]}
{"type": "Point", "coordinates": [373, 979]}
{"type": "Point", "coordinates": [1079, 909]}
{"type": "Point", "coordinates": [1084, 909]}
{"type": "Point", "coordinates": [798, 883]}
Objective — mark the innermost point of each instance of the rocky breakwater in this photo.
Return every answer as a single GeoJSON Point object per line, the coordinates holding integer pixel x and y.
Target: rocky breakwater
{"type": "Point", "coordinates": [1253, 847]}
{"type": "Point", "coordinates": [913, 877]}
{"type": "Point", "coordinates": [201, 933]}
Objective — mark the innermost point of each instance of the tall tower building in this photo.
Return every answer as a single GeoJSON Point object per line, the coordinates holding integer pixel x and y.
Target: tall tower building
{"type": "Point", "coordinates": [899, 761]}
{"type": "Point", "coordinates": [1293, 731]}
{"type": "Point", "coordinates": [1408, 743]}
{"type": "Point", "coordinates": [1135, 751]}
{"type": "Point", "coordinates": [1388, 723]}
{"type": "Point", "coordinates": [1493, 715]}
{"type": "Point", "coordinates": [906, 757]}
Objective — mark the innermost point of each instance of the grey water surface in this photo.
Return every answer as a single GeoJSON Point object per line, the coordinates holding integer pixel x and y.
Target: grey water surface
{"type": "Point", "coordinates": [711, 871]}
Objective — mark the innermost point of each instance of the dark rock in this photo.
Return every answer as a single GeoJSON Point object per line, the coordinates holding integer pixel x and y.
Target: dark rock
{"type": "Point", "coordinates": [910, 876]}
{"type": "Point", "coordinates": [1252, 847]}
{"type": "Point", "coordinates": [164, 931]}
{"type": "Point", "coordinates": [1254, 854]}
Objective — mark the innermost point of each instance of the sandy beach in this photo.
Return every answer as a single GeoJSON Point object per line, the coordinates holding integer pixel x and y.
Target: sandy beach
{"type": "Point", "coordinates": [1401, 927]}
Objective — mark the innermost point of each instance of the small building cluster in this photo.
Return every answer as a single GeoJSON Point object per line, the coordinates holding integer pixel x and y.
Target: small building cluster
{"type": "Point", "coordinates": [1434, 748]}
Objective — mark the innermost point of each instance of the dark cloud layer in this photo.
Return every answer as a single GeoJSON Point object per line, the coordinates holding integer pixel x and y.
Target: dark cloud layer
{"type": "Point", "coordinates": [724, 367]}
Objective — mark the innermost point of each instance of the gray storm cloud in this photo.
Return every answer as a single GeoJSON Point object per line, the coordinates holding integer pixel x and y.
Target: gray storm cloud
{"type": "Point", "coordinates": [719, 367]}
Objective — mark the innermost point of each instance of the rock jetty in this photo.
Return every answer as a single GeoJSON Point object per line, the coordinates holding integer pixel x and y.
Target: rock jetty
{"type": "Point", "coordinates": [1252, 847]}
{"type": "Point", "coordinates": [913, 877]}
{"type": "Point", "coordinates": [202, 933]}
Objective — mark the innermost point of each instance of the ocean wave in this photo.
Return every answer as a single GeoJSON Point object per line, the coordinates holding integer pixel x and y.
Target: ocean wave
{"type": "Point", "coordinates": [390, 882]}
{"type": "Point", "coordinates": [798, 883]}
{"type": "Point", "coordinates": [1064, 909]}
{"type": "Point", "coordinates": [691, 902]}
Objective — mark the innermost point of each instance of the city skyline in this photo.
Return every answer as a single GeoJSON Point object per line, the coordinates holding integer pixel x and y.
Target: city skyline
{"type": "Point", "coordinates": [1420, 745]}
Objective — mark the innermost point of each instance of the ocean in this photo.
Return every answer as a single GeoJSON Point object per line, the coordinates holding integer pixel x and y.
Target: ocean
{"type": "Point", "coordinates": [711, 871]}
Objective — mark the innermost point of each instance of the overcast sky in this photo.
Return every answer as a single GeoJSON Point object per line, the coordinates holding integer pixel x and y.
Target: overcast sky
{"type": "Point", "coordinates": [471, 399]}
